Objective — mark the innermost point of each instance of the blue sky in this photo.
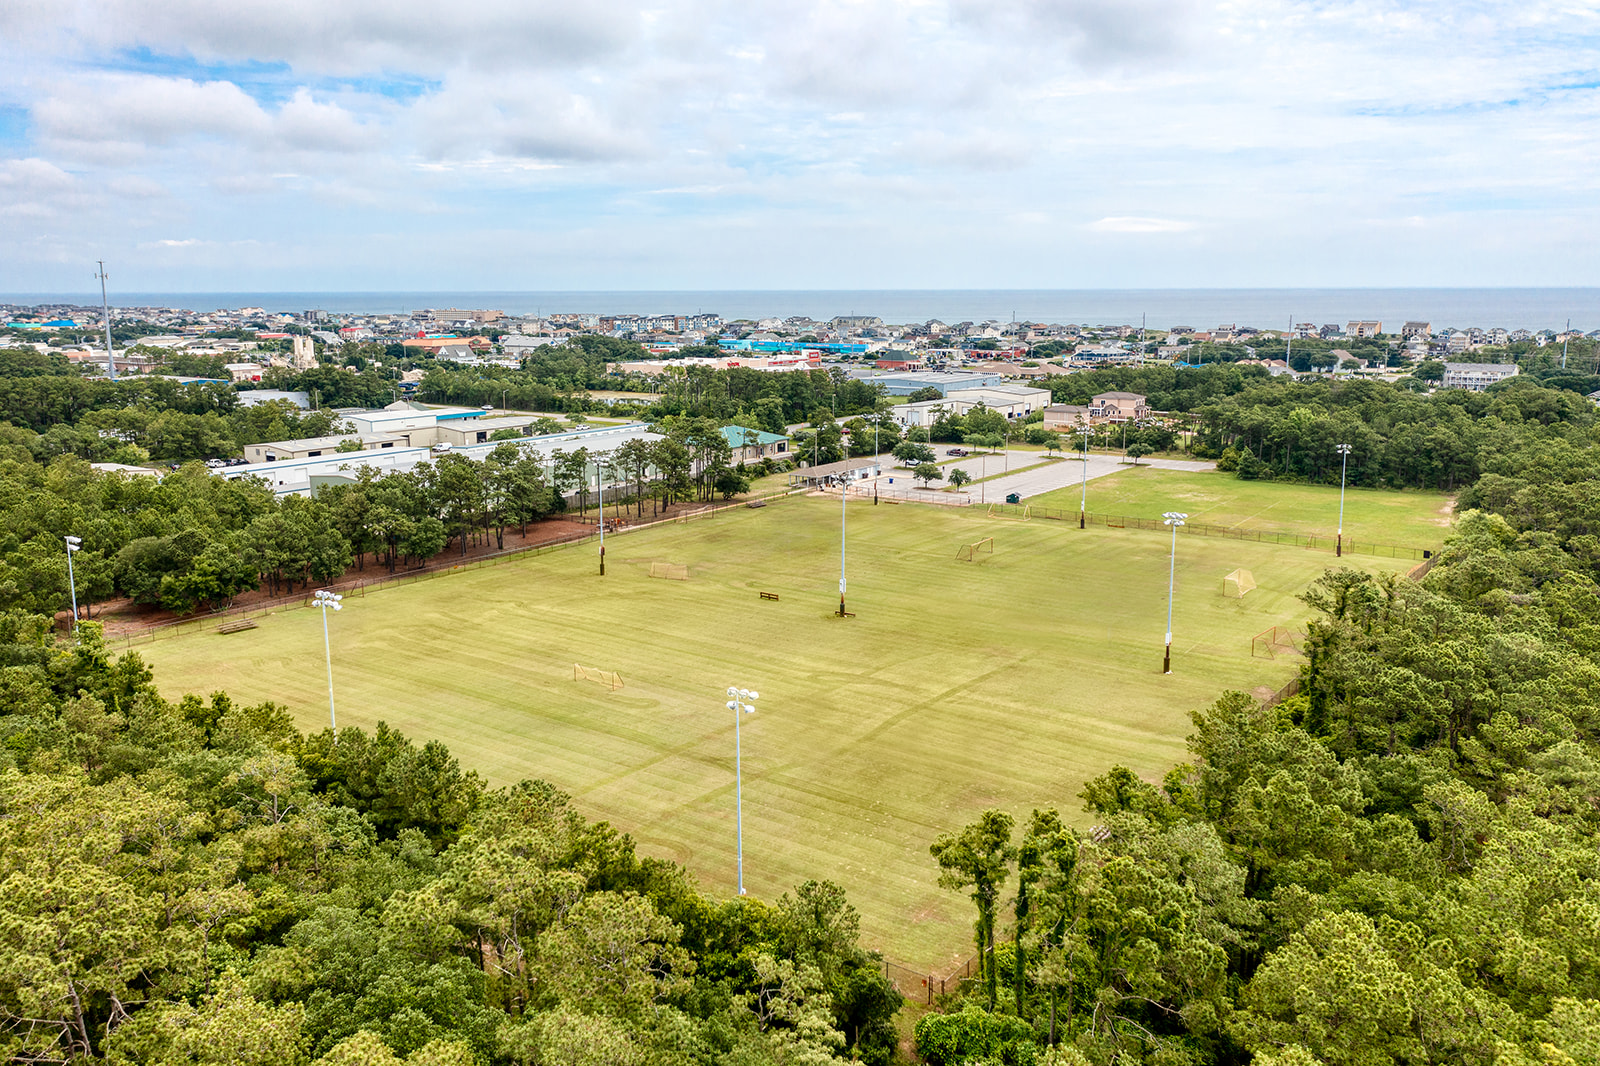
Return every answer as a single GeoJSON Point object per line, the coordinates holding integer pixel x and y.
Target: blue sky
{"type": "Point", "coordinates": [713, 144]}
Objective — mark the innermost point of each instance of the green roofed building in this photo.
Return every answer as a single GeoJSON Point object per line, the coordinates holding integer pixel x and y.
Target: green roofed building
{"type": "Point", "coordinates": [754, 445]}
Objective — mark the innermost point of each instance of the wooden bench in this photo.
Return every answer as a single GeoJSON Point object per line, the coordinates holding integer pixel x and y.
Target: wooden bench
{"type": "Point", "coordinates": [769, 595]}
{"type": "Point", "coordinates": [237, 625]}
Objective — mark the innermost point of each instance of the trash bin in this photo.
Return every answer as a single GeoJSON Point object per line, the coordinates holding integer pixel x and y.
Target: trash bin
{"type": "Point", "coordinates": [1012, 497]}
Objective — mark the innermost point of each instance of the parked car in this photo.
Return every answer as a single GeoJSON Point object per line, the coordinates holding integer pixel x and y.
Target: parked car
{"type": "Point", "coordinates": [956, 451]}
{"type": "Point", "coordinates": [442, 447]}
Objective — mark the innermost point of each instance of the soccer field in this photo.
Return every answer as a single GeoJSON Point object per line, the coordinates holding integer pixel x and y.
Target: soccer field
{"type": "Point", "coordinates": [1005, 682]}
{"type": "Point", "coordinates": [1409, 519]}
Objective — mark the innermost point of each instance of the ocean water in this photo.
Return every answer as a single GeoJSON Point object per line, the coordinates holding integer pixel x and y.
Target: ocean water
{"type": "Point", "coordinates": [1510, 308]}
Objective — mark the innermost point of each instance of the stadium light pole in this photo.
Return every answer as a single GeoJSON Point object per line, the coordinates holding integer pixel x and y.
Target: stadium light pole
{"type": "Point", "coordinates": [1173, 519]}
{"type": "Point", "coordinates": [73, 544]}
{"type": "Point", "coordinates": [600, 491]}
{"type": "Point", "coordinates": [1344, 461]}
{"type": "Point", "coordinates": [844, 497]}
{"type": "Point", "coordinates": [1083, 497]}
{"type": "Point", "coordinates": [325, 599]}
{"type": "Point", "coordinates": [741, 701]}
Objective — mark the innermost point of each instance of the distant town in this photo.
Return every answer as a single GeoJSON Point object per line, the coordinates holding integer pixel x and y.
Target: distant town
{"type": "Point", "coordinates": [252, 339]}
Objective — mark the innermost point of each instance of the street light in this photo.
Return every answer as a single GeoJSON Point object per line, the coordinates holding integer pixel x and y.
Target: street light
{"type": "Point", "coordinates": [324, 599]}
{"type": "Point", "coordinates": [1344, 461]}
{"type": "Point", "coordinates": [741, 701]}
{"type": "Point", "coordinates": [73, 544]}
{"type": "Point", "coordinates": [1083, 498]}
{"type": "Point", "coordinates": [1173, 519]}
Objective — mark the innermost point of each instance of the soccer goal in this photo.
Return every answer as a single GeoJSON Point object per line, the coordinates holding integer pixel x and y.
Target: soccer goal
{"type": "Point", "coordinates": [1273, 642]}
{"type": "Point", "coordinates": [1237, 584]}
{"type": "Point", "coordinates": [1027, 512]}
{"type": "Point", "coordinates": [670, 571]}
{"type": "Point", "coordinates": [969, 553]}
{"type": "Point", "coordinates": [609, 678]}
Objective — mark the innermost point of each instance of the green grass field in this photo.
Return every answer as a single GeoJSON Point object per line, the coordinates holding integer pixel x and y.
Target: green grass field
{"type": "Point", "coordinates": [1409, 519]}
{"type": "Point", "coordinates": [958, 686]}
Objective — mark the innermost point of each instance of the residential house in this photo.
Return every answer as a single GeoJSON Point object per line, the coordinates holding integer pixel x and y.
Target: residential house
{"type": "Point", "coordinates": [1416, 329]}
{"type": "Point", "coordinates": [1116, 407]}
{"type": "Point", "coordinates": [1065, 417]}
{"type": "Point", "coordinates": [754, 445]}
{"type": "Point", "coordinates": [1476, 376]}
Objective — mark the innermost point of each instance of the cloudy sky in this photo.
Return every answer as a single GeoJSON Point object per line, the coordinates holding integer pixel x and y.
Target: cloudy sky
{"type": "Point", "coordinates": [741, 144]}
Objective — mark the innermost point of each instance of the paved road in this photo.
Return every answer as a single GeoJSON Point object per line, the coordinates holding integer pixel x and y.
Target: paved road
{"type": "Point", "coordinates": [1035, 482]}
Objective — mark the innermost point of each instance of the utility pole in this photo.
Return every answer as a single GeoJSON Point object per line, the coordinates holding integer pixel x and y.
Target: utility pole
{"type": "Point", "coordinates": [105, 310]}
{"type": "Point", "coordinates": [600, 490]}
{"type": "Point", "coordinates": [1564, 338]}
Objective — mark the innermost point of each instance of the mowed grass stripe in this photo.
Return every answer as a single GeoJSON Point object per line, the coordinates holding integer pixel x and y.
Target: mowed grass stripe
{"type": "Point", "coordinates": [958, 686]}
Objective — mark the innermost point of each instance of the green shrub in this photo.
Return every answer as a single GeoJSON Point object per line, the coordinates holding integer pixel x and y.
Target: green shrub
{"type": "Point", "coordinates": [974, 1035]}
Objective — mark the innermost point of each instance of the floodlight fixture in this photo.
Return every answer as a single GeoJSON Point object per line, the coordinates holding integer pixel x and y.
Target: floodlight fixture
{"type": "Point", "coordinates": [1173, 519]}
{"type": "Point", "coordinates": [324, 599]}
{"type": "Point", "coordinates": [1344, 463]}
{"type": "Point", "coordinates": [73, 544]}
{"type": "Point", "coordinates": [740, 705]}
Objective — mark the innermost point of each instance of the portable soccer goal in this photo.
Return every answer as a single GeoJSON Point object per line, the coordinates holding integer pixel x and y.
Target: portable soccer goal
{"type": "Point", "coordinates": [969, 553]}
{"type": "Point", "coordinates": [670, 571]}
{"type": "Point", "coordinates": [609, 678]}
{"type": "Point", "coordinates": [1274, 642]}
{"type": "Point", "coordinates": [1026, 513]}
{"type": "Point", "coordinates": [1236, 584]}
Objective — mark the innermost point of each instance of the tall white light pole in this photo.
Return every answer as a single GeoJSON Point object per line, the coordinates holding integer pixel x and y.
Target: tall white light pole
{"type": "Point", "coordinates": [741, 701]}
{"type": "Point", "coordinates": [844, 497]}
{"type": "Point", "coordinates": [1173, 519]}
{"type": "Point", "coordinates": [600, 489]}
{"type": "Point", "coordinates": [325, 599]}
{"type": "Point", "coordinates": [105, 309]}
{"type": "Point", "coordinates": [1344, 460]}
{"type": "Point", "coordinates": [73, 544]}
{"type": "Point", "coordinates": [1083, 498]}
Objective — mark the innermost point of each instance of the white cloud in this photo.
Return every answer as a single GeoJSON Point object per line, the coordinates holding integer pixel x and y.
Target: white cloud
{"type": "Point", "coordinates": [1137, 224]}
{"type": "Point", "coordinates": [807, 131]}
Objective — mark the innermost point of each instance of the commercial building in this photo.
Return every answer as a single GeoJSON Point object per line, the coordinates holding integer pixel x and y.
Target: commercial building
{"type": "Point", "coordinates": [1476, 376]}
{"type": "Point", "coordinates": [251, 397]}
{"type": "Point", "coordinates": [1012, 401]}
{"type": "Point", "coordinates": [312, 447]}
{"type": "Point", "coordinates": [907, 382]}
{"type": "Point", "coordinates": [418, 425]}
{"type": "Point", "coordinates": [479, 430]}
{"type": "Point", "coordinates": [303, 476]}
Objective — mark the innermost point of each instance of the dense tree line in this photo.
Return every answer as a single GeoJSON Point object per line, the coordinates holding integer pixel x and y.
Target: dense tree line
{"type": "Point", "coordinates": [196, 882]}
{"type": "Point", "coordinates": [193, 540]}
{"type": "Point", "coordinates": [1397, 865]}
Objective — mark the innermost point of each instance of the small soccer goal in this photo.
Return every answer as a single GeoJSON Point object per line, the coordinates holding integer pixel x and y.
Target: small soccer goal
{"type": "Point", "coordinates": [1022, 516]}
{"type": "Point", "coordinates": [1236, 584]}
{"type": "Point", "coordinates": [1274, 642]}
{"type": "Point", "coordinates": [670, 571]}
{"type": "Point", "coordinates": [609, 678]}
{"type": "Point", "coordinates": [969, 553]}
